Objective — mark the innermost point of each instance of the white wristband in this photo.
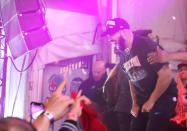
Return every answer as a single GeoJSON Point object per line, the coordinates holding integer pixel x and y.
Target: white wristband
{"type": "Point", "coordinates": [48, 115]}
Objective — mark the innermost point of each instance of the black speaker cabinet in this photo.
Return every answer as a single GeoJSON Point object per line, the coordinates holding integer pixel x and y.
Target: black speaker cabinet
{"type": "Point", "coordinates": [24, 25]}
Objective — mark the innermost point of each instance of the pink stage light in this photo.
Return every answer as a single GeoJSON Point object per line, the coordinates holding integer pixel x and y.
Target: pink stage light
{"type": "Point", "coordinates": [81, 6]}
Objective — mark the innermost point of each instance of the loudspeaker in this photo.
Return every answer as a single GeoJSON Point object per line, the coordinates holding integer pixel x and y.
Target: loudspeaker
{"type": "Point", "coordinates": [24, 25]}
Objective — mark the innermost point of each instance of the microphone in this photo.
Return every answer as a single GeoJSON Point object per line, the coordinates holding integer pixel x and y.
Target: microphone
{"type": "Point", "coordinates": [127, 51]}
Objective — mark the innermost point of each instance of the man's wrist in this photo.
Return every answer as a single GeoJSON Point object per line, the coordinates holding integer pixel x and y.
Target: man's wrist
{"type": "Point", "coordinates": [49, 116]}
{"type": "Point", "coordinates": [134, 102]}
{"type": "Point", "coordinates": [151, 100]}
{"type": "Point", "coordinates": [72, 116]}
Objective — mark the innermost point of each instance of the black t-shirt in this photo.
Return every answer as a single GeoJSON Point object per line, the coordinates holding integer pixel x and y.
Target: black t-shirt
{"type": "Point", "coordinates": [142, 74]}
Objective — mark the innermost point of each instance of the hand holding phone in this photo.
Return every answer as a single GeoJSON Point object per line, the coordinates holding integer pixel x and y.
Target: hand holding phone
{"type": "Point", "coordinates": [36, 110]}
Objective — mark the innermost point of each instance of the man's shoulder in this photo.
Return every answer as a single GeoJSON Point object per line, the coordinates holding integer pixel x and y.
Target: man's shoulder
{"type": "Point", "coordinates": [144, 43]}
{"type": "Point", "coordinates": [143, 40]}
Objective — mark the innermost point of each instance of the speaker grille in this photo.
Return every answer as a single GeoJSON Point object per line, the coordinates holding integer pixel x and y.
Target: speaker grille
{"type": "Point", "coordinates": [24, 24]}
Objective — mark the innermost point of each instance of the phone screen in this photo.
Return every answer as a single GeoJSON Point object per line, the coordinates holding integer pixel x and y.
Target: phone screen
{"type": "Point", "coordinates": [36, 110]}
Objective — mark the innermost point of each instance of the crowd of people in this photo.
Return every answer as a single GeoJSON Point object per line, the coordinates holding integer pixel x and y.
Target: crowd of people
{"type": "Point", "coordinates": [55, 108]}
{"type": "Point", "coordinates": [139, 93]}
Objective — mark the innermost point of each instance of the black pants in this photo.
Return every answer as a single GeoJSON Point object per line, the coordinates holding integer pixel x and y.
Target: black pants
{"type": "Point", "coordinates": [117, 121]}
{"type": "Point", "coordinates": [157, 119]}
{"type": "Point", "coordinates": [110, 120]}
{"type": "Point", "coordinates": [124, 120]}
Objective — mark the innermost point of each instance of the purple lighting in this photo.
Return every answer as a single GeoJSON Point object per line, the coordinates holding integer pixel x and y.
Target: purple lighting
{"type": "Point", "coordinates": [81, 6]}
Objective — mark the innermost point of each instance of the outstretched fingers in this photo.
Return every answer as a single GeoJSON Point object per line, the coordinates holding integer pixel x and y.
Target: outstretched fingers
{"type": "Point", "coordinates": [61, 86]}
{"type": "Point", "coordinates": [84, 99]}
{"type": "Point", "coordinates": [79, 94]}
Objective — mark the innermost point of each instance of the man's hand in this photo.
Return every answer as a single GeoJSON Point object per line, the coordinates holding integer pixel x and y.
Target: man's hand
{"type": "Point", "coordinates": [160, 56]}
{"type": "Point", "coordinates": [58, 104]}
{"type": "Point", "coordinates": [147, 106]}
{"type": "Point", "coordinates": [76, 108]}
{"type": "Point", "coordinates": [135, 110]}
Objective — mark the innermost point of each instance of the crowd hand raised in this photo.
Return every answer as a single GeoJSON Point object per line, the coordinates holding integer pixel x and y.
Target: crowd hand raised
{"type": "Point", "coordinates": [135, 110]}
{"type": "Point", "coordinates": [76, 108]}
{"type": "Point", "coordinates": [58, 104]}
{"type": "Point", "coordinates": [159, 56]}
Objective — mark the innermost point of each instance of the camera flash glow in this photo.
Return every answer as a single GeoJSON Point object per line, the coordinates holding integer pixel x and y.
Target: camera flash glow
{"type": "Point", "coordinates": [173, 18]}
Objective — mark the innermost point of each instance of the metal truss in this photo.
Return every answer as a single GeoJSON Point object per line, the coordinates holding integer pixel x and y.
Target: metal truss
{"type": "Point", "coordinates": [3, 69]}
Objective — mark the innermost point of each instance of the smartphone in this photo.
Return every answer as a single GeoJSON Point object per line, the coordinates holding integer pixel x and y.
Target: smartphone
{"type": "Point", "coordinates": [36, 109]}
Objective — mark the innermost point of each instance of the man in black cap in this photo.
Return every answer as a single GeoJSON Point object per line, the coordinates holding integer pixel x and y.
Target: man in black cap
{"type": "Point", "coordinates": [153, 90]}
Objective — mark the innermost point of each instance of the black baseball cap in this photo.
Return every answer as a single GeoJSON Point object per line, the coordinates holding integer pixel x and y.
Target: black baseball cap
{"type": "Point", "coordinates": [114, 25]}
{"type": "Point", "coordinates": [182, 64]}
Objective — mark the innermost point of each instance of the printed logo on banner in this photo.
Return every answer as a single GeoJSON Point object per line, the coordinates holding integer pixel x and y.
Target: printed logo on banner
{"type": "Point", "coordinates": [54, 82]}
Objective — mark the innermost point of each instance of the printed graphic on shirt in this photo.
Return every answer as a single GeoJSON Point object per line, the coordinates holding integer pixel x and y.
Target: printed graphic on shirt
{"type": "Point", "coordinates": [133, 62]}
{"type": "Point", "coordinates": [134, 69]}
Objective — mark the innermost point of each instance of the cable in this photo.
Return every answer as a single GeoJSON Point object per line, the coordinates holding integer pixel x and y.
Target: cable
{"type": "Point", "coordinates": [95, 33]}
{"type": "Point", "coordinates": [18, 85]}
{"type": "Point", "coordinates": [22, 70]}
